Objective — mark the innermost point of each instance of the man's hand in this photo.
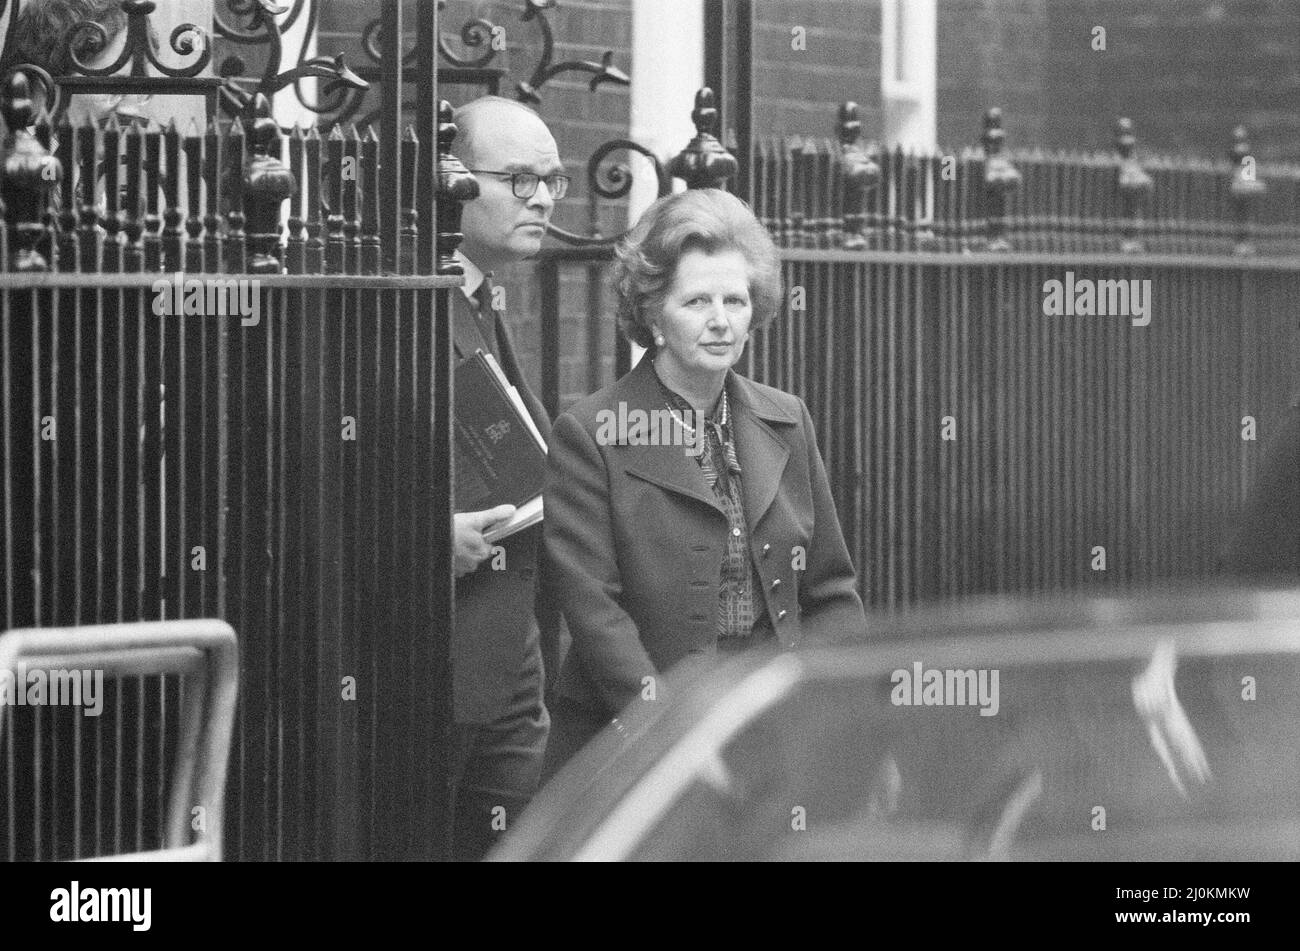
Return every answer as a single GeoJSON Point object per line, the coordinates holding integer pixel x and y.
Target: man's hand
{"type": "Point", "coordinates": [469, 547]}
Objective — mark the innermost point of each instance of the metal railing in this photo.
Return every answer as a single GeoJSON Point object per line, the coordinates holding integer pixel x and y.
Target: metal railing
{"type": "Point", "coordinates": [823, 192]}
{"type": "Point", "coordinates": [978, 440]}
{"type": "Point", "coordinates": [975, 444]}
{"type": "Point", "coordinates": [205, 417]}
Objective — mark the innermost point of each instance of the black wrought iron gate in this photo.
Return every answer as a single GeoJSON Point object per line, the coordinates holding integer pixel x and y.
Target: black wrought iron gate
{"type": "Point", "coordinates": [283, 466]}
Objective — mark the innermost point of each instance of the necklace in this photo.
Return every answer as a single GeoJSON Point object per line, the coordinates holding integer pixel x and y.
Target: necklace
{"type": "Point", "coordinates": [691, 429]}
{"type": "Point", "coordinates": [680, 422]}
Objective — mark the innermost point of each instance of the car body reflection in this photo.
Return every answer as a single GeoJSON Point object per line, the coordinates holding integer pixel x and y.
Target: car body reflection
{"type": "Point", "coordinates": [1160, 727]}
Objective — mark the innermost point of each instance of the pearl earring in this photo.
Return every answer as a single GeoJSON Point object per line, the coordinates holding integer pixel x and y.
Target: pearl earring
{"type": "Point", "coordinates": [659, 340]}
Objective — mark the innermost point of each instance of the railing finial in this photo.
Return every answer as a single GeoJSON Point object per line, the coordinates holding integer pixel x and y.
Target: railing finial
{"type": "Point", "coordinates": [455, 185]}
{"type": "Point", "coordinates": [267, 183]}
{"type": "Point", "coordinates": [1000, 177]}
{"type": "Point", "coordinates": [28, 173]}
{"type": "Point", "coordinates": [1134, 185]}
{"type": "Point", "coordinates": [1246, 189]}
{"type": "Point", "coordinates": [858, 173]}
{"type": "Point", "coordinates": [704, 163]}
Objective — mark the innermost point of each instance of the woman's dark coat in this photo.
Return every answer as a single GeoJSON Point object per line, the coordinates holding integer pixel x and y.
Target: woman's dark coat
{"type": "Point", "coordinates": [635, 538]}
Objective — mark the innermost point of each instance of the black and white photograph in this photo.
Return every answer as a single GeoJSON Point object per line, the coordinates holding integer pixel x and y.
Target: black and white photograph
{"type": "Point", "coordinates": [784, 431]}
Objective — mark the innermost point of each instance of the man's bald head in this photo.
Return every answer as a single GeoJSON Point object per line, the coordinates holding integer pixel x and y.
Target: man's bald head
{"type": "Point", "coordinates": [499, 137]}
{"type": "Point", "coordinates": [478, 117]}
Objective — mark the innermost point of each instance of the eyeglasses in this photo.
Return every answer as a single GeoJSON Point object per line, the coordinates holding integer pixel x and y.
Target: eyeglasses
{"type": "Point", "coordinates": [524, 184]}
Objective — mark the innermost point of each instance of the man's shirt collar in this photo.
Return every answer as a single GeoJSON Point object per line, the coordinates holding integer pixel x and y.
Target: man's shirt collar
{"type": "Point", "coordinates": [474, 276]}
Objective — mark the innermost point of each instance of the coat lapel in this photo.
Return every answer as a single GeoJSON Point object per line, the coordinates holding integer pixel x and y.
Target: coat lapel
{"type": "Point", "coordinates": [761, 451]}
{"type": "Point", "coordinates": [669, 467]}
{"type": "Point", "coordinates": [464, 332]}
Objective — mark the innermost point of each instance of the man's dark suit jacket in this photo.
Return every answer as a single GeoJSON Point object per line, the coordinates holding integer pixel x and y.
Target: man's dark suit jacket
{"type": "Point", "coordinates": [635, 539]}
{"type": "Point", "coordinates": [495, 609]}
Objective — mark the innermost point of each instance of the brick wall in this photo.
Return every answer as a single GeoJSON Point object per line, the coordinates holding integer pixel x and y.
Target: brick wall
{"type": "Point", "coordinates": [1186, 71]}
{"type": "Point", "coordinates": [992, 53]}
{"type": "Point", "coordinates": [799, 90]}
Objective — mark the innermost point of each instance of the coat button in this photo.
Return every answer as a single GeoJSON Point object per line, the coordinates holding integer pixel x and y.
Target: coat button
{"type": "Point", "coordinates": [736, 532]}
{"type": "Point", "coordinates": [776, 584]}
{"type": "Point", "coordinates": [780, 615]}
{"type": "Point", "coordinates": [767, 549]}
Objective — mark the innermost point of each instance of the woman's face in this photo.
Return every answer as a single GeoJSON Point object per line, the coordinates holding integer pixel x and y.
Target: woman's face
{"type": "Point", "coordinates": [705, 317]}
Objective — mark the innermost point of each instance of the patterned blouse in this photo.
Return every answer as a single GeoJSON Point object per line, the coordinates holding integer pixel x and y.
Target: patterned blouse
{"type": "Point", "coordinates": [740, 607]}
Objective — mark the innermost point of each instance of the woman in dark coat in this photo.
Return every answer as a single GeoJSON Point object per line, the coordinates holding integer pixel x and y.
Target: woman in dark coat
{"type": "Point", "coordinates": [687, 508]}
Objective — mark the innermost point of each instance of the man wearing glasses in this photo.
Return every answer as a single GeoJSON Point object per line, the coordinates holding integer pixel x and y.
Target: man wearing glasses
{"type": "Point", "coordinates": [501, 722]}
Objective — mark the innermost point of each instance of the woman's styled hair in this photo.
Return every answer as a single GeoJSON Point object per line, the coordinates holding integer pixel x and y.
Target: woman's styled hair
{"type": "Point", "coordinates": [703, 219]}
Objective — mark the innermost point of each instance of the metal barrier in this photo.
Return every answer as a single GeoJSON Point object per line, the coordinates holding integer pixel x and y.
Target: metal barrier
{"type": "Point", "coordinates": [192, 432]}
{"type": "Point", "coordinates": [186, 736]}
{"type": "Point", "coordinates": [822, 192]}
{"type": "Point", "coordinates": [976, 444]}
{"type": "Point", "coordinates": [265, 474]}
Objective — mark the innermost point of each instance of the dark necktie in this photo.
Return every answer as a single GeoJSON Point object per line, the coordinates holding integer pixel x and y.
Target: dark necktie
{"type": "Point", "coordinates": [485, 317]}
